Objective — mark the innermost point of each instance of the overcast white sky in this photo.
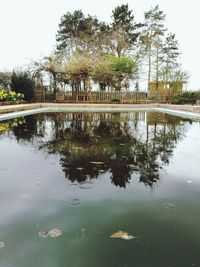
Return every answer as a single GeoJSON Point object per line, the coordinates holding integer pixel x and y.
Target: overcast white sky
{"type": "Point", "coordinates": [28, 27]}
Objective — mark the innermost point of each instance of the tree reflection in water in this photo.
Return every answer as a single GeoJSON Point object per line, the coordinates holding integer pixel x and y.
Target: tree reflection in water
{"type": "Point", "coordinates": [90, 144]}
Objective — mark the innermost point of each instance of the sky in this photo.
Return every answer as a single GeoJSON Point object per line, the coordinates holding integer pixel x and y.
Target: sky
{"type": "Point", "coordinates": [28, 27]}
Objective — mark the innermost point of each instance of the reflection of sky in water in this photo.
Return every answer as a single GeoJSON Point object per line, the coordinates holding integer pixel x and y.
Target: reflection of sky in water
{"type": "Point", "coordinates": [186, 160]}
{"type": "Point", "coordinates": [35, 195]}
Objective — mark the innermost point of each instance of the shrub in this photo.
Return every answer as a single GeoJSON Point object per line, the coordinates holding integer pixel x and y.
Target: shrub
{"type": "Point", "coordinates": [22, 82]}
{"type": "Point", "coordinates": [115, 100]}
{"type": "Point", "coordinates": [186, 98]}
{"type": "Point", "coordinates": [13, 96]}
{"type": "Point", "coordinates": [3, 95]}
{"type": "Point", "coordinates": [10, 96]}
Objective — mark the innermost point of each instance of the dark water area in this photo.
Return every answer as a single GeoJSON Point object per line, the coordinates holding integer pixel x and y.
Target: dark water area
{"type": "Point", "coordinates": [90, 175]}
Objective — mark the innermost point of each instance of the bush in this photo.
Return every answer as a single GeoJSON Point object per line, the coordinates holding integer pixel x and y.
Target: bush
{"type": "Point", "coordinates": [115, 100]}
{"type": "Point", "coordinates": [22, 82]}
{"type": "Point", "coordinates": [13, 96]}
{"type": "Point", "coordinates": [10, 96]}
{"type": "Point", "coordinates": [3, 95]}
{"type": "Point", "coordinates": [186, 98]}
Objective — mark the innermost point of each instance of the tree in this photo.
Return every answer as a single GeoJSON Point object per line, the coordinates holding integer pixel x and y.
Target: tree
{"type": "Point", "coordinates": [5, 79]}
{"type": "Point", "coordinates": [78, 32]}
{"type": "Point", "coordinates": [157, 62]}
{"type": "Point", "coordinates": [123, 70]}
{"type": "Point", "coordinates": [124, 30]}
{"type": "Point", "coordinates": [111, 71]}
{"type": "Point", "coordinates": [153, 31]}
{"type": "Point", "coordinates": [170, 55]}
{"type": "Point", "coordinates": [79, 70]}
{"type": "Point", "coordinates": [22, 82]}
{"type": "Point", "coordinates": [69, 28]}
{"type": "Point", "coordinates": [88, 49]}
{"type": "Point", "coordinates": [177, 76]}
{"type": "Point", "coordinates": [102, 73]}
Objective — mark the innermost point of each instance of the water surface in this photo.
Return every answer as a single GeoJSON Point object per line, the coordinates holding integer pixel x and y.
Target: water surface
{"type": "Point", "coordinates": [92, 174]}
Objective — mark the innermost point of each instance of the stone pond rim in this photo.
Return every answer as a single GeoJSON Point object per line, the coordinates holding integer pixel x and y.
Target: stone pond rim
{"type": "Point", "coordinates": [12, 111]}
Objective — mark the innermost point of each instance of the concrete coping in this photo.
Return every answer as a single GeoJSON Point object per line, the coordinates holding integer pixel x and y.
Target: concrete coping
{"type": "Point", "coordinates": [98, 108]}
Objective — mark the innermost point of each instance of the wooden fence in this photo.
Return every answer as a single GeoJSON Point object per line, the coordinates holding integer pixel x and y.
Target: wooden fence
{"type": "Point", "coordinates": [104, 97]}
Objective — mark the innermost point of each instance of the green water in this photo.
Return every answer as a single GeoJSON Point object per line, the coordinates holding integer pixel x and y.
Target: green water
{"type": "Point", "coordinates": [92, 174]}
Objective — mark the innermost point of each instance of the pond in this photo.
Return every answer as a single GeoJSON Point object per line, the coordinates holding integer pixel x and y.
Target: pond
{"type": "Point", "coordinates": [89, 175]}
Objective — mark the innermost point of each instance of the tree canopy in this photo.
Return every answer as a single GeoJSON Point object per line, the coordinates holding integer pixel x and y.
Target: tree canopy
{"type": "Point", "coordinates": [113, 54]}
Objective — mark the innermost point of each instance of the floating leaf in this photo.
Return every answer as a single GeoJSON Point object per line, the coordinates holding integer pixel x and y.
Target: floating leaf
{"type": "Point", "coordinates": [128, 237]}
{"type": "Point", "coordinates": [118, 234]}
{"type": "Point", "coordinates": [122, 235]}
{"type": "Point", "coordinates": [52, 233]}
{"type": "Point", "coordinates": [43, 234]}
{"type": "Point", "coordinates": [55, 232]}
{"type": "Point", "coordinates": [2, 244]}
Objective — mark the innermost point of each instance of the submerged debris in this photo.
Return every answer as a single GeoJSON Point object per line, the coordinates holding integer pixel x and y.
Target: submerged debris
{"type": "Point", "coordinates": [52, 233]}
{"type": "Point", "coordinates": [38, 182]}
{"type": "Point", "coordinates": [189, 182]}
{"type": "Point", "coordinates": [75, 202]}
{"type": "Point", "coordinates": [2, 244]}
{"type": "Point", "coordinates": [73, 184]}
{"type": "Point", "coordinates": [86, 185]}
{"type": "Point", "coordinates": [3, 169]}
{"type": "Point", "coordinates": [122, 235]}
{"type": "Point", "coordinates": [83, 232]}
{"type": "Point", "coordinates": [169, 205]}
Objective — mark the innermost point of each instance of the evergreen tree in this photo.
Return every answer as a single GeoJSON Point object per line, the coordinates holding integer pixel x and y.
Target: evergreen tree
{"type": "Point", "coordinates": [124, 30]}
{"type": "Point", "coordinates": [78, 32]}
{"type": "Point", "coordinates": [151, 37]}
{"type": "Point", "coordinates": [170, 55]}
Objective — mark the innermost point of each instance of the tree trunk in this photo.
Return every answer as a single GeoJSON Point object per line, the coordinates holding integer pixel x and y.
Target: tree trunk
{"type": "Point", "coordinates": [149, 68]}
{"type": "Point", "coordinates": [54, 84]}
{"type": "Point", "coordinates": [157, 68]}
